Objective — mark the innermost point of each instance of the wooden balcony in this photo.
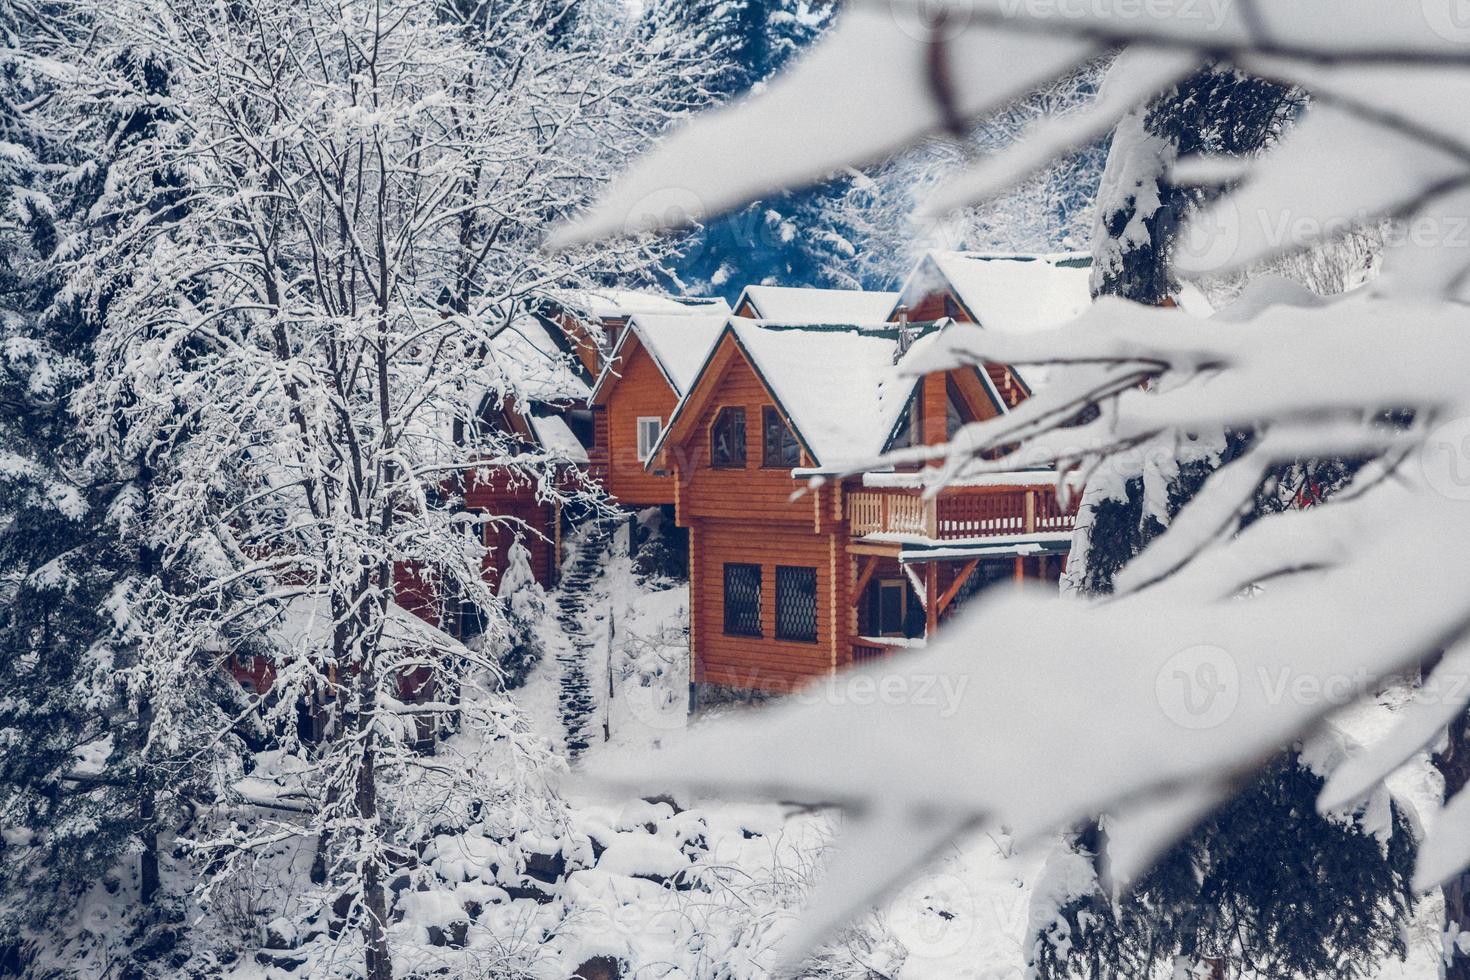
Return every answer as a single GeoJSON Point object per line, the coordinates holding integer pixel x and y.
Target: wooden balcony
{"type": "Point", "coordinates": [958, 513]}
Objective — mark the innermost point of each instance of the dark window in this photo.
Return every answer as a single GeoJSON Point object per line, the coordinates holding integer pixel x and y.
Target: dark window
{"type": "Point", "coordinates": [727, 440]}
{"type": "Point", "coordinates": [796, 604]}
{"type": "Point", "coordinates": [892, 608]}
{"type": "Point", "coordinates": [779, 447]}
{"type": "Point", "coordinates": [743, 600]}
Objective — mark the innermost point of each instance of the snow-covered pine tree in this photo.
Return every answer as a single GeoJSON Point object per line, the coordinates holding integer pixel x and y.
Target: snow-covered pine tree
{"type": "Point", "coordinates": [84, 789]}
{"type": "Point", "coordinates": [796, 239]}
{"type": "Point", "coordinates": [1281, 922]}
{"type": "Point", "coordinates": [525, 609]}
{"type": "Point", "coordinates": [1051, 211]}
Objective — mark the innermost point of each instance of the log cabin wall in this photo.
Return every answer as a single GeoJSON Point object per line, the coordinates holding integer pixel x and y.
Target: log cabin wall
{"type": "Point", "coordinates": [746, 516]}
{"type": "Point", "coordinates": [639, 391]}
{"type": "Point", "coordinates": [503, 493]}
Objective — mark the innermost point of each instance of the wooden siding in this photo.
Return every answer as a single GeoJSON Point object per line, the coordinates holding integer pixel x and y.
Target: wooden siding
{"type": "Point", "coordinates": [763, 663]}
{"type": "Point", "coordinates": [597, 453]}
{"type": "Point", "coordinates": [503, 493]}
{"type": "Point", "coordinates": [639, 391]}
{"type": "Point", "coordinates": [754, 494]}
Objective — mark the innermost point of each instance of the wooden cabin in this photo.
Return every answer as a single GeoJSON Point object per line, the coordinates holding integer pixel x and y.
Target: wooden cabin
{"type": "Point", "coordinates": [786, 588]}
{"type": "Point", "coordinates": [653, 364]}
{"type": "Point", "coordinates": [793, 304]}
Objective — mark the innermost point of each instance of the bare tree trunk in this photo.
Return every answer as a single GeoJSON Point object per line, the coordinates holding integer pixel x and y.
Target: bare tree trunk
{"type": "Point", "coordinates": [147, 809]}
{"type": "Point", "coordinates": [379, 962]}
{"type": "Point", "coordinates": [1454, 765]}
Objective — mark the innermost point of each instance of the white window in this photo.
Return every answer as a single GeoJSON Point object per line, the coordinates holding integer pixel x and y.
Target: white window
{"type": "Point", "coordinates": [648, 430]}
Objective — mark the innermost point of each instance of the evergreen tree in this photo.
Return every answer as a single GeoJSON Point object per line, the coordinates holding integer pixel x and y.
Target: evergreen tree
{"type": "Point", "coordinates": [84, 782]}
{"type": "Point", "coordinates": [1200, 904]}
{"type": "Point", "coordinates": [1332, 911]}
{"type": "Point", "coordinates": [795, 239]}
{"type": "Point", "coordinates": [525, 609]}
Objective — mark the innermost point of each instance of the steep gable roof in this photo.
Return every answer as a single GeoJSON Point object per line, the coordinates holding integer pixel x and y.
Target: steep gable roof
{"type": "Point", "coordinates": [677, 343]}
{"type": "Point", "coordinates": [1002, 291]}
{"type": "Point", "coordinates": [835, 384]}
{"type": "Point", "coordinates": [793, 305]}
{"type": "Point", "coordinates": [618, 304]}
{"type": "Point", "coordinates": [527, 362]}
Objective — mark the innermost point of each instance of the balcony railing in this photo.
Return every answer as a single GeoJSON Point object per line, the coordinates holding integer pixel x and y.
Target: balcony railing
{"type": "Point", "coordinates": [958, 513]}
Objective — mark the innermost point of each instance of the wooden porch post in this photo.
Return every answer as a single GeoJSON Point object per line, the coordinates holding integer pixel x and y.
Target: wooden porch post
{"type": "Point", "coordinates": [1020, 569]}
{"type": "Point", "coordinates": [931, 599]}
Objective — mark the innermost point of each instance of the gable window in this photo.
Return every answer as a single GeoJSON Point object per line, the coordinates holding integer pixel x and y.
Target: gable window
{"type": "Point", "coordinates": [796, 604]}
{"type": "Point", "coordinates": [742, 600]}
{"type": "Point", "coordinates": [727, 440]}
{"type": "Point", "coordinates": [779, 447]}
{"type": "Point", "coordinates": [649, 428]}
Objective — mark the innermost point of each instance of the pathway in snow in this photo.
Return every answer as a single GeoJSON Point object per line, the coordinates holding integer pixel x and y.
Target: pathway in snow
{"type": "Point", "coordinates": [575, 696]}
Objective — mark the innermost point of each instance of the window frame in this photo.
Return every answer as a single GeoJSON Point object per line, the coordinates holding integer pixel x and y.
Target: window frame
{"type": "Point", "coordinates": [781, 632]}
{"type": "Point", "coordinates": [729, 627]}
{"type": "Point", "coordinates": [645, 453]}
{"type": "Point", "coordinates": [732, 411]}
{"type": "Point", "coordinates": [771, 413]}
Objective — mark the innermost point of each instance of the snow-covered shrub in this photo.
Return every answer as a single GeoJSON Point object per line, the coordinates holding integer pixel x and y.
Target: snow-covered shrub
{"type": "Point", "coordinates": [525, 609]}
{"type": "Point", "coordinates": [662, 556]}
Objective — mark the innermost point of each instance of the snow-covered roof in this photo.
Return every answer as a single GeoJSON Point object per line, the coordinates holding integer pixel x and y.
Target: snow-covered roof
{"type": "Point", "coordinates": [835, 383]}
{"type": "Point", "coordinates": [306, 624]}
{"type": "Point", "coordinates": [791, 304]}
{"type": "Point", "coordinates": [616, 304]}
{"type": "Point", "coordinates": [678, 345]}
{"type": "Point", "coordinates": [557, 439]}
{"type": "Point", "coordinates": [528, 363]}
{"type": "Point", "coordinates": [1007, 291]}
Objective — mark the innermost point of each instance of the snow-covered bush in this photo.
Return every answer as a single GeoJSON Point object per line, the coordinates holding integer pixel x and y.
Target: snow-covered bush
{"type": "Point", "coordinates": [524, 608]}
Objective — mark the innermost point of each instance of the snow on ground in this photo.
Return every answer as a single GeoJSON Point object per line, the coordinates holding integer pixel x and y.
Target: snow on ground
{"type": "Point", "coordinates": [752, 865]}
{"type": "Point", "coordinates": [674, 889]}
